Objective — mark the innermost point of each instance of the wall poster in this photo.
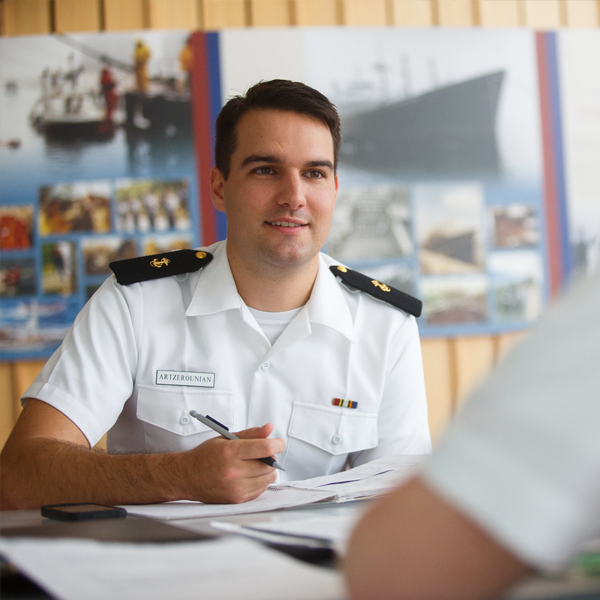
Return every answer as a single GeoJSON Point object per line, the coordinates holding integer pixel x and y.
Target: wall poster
{"type": "Point", "coordinates": [466, 169]}
{"type": "Point", "coordinates": [96, 164]}
{"type": "Point", "coordinates": [441, 164]}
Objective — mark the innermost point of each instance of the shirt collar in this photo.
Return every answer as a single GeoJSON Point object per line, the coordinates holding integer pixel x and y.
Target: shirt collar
{"type": "Point", "coordinates": [216, 291]}
{"type": "Point", "coordinates": [327, 304]}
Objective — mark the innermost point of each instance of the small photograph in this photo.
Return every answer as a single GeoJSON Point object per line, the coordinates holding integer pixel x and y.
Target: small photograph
{"type": "Point", "coordinates": [517, 282]}
{"type": "Point", "coordinates": [166, 243]}
{"type": "Point", "coordinates": [32, 326]}
{"type": "Point", "coordinates": [16, 227]}
{"type": "Point", "coordinates": [371, 222]}
{"type": "Point", "coordinates": [514, 226]}
{"type": "Point", "coordinates": [59, 272]}
{"type": "Point", "coordinates": [75, 207]}
{"type": "Point", "coordinates": [149, 205]}
{"type": "Point", "coordinates": [450, 228]}
{"type": "Point", "coordinates": [450, 300]}
{"type": "Point", "coordinates": [17, 277]}
{"type": "Point", "coordinates": [99, 253]}
{"type": "Point", "coordinates": [399, 276]}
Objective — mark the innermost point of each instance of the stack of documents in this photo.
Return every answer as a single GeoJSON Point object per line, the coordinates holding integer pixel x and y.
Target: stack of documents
{"type": "Point", "coordinates": [373, 479]}
{"type": "Point", "coordinates": [331, 531]}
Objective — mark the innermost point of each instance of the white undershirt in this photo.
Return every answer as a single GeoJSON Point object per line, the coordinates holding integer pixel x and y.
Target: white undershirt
{"type": "Point", "coordinates": [273, 323]}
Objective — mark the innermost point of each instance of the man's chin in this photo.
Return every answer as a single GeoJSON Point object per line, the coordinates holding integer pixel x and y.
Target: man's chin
{"type": "Point", "coordinates": [286, 258]}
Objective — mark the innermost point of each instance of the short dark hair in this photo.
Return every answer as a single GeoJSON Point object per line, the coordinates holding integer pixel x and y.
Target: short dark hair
{"type": "Point", "coordinates": [277, 94]}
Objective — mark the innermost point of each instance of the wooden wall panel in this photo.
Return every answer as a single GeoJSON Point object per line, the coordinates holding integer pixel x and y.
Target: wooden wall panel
{"type": "Point", "coordinates": [542, 14]}
{"type": "Point", "coordinates": [25, 17]}
{"type": "Point", "coordinates": [582, 13]}
{"type": "Point", "coordinates": [76, 15]}
{"type": "Point", "coordinates": [167, 14]}
{"type": "Point", "coordinates": [507, 341]}
{"type": "Point", "coordinates": [270, 13]}
{"type": "Point", "coordinates": [499, 13]}
{"type": "Point", "coordinates": [316, 12]}
{"type": "Point", "coordinates": [7, 416]}
{"type": "Point", "coordinates": [120, 16]}
{"type": "Point", "coordinates": [367, 13]}
{"type": "Point", "coordinates": [474, 359]}
{"type": "Point", "coordinates": [23, 375]}
{"type": "Point", "coordinates": [223, 13]}
{"type": "Point", "coordinates": [412, 13]}
{"type": "Point", "coordinates": [455, 13]}
{"type": "Point", "coordinates": [439, 383]}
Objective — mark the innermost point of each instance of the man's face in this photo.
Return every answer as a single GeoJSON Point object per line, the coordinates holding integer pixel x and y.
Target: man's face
{"type": "Point", "coordinates": [280, 193]}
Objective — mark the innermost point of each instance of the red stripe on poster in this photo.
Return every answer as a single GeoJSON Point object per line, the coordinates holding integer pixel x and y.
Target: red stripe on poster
{"type": "Point", "coordinates": [201, 120]}
{"type": "Point", "coordinates": [550, 185]}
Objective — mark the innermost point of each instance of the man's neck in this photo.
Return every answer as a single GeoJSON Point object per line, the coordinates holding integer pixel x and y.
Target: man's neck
{"type": "Point", "coordinates": [273, 289]}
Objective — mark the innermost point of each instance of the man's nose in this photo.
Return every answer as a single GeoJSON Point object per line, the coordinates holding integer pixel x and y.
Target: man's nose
{"type": "Point", "coordinates": [292, 191]}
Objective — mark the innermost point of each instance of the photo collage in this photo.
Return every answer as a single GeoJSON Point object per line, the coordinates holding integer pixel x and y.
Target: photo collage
{"type": "Point", "coordinates": [61, 248]}
{"type": "Point", "coordinates": [100, 167]}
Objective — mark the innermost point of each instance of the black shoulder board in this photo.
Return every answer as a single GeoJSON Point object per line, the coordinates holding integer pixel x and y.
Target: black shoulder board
{"type": "Point", "coordinates": [378, 290]}
{"type": "Point", "coordinates": [157, 266]}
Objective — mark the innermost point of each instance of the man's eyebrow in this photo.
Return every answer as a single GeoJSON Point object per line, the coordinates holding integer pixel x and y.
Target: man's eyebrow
{"type": "Point", "coordinates": [320, 163]}
{"type": "Point", "coordinates": [260, 158]}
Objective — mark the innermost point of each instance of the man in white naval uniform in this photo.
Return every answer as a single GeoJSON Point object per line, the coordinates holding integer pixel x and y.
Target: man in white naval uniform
{"type": "Point", "coordinates": [261, 332]}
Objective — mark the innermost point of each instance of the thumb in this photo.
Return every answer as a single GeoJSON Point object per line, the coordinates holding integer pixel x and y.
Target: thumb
{"type": "Point", "coordinates": [256, 432]}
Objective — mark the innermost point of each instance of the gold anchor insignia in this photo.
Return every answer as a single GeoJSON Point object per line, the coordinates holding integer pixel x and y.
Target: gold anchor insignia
{"type": "Point", "coordinates": [200, 255]}
{"type": "Point", "coordinates": [342, 269]}
{"type": "Point", "coordinates": [159, 263]}
{"type": "Point", "coordinates": [381, 286]}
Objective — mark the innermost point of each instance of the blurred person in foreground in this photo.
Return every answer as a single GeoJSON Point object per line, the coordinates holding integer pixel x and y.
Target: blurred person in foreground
{"type": "Point", "coordinates": [514, 485]}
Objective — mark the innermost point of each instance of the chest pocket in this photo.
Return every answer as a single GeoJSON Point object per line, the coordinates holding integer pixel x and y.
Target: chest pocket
{"type": "Point", "coordinates": [335, 430]}
{"type": "Point", "coordinates": [169, 409]}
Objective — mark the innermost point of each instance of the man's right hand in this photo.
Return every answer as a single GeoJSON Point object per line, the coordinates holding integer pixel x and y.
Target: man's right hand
{"type": "Point", "coordinates": [227, 471]}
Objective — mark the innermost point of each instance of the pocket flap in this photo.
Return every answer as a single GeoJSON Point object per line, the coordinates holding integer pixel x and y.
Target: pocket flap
{"type": "Point", "coordinates": [169, 409]}
{"type": "Point", "coordinates": [337, 430]}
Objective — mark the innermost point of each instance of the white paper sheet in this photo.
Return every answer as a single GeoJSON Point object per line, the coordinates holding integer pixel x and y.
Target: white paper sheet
{"type": "Point", "coordinates": [270, 500]}
{"type": "Point", "coordinates": [372, 479]}
{"type": "Point", "coordinates": [328, 531]}
{"type": "Point", "coordinates": [227, 569]}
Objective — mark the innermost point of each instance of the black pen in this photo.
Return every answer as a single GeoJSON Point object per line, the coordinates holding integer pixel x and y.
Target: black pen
{"type": "Point", "coordinates": [224, 431]}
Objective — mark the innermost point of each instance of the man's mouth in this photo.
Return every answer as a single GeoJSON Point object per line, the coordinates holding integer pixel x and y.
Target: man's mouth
{"type": "Point", "coordinates": [286, 224]}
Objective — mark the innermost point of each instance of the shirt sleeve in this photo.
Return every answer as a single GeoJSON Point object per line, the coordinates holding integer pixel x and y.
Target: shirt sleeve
{"type": "Point", "coordinates": [90, 377]}
{"type": "Point", "coordinates": [523, 457]}
{"type": "Point", "coordinates": [402, 425]}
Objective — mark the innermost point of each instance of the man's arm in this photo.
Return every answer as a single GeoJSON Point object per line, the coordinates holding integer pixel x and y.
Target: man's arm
{"type": "Point", "coordinates": [413, 544]}
{"type": "Point", "coordinates": [47, 460]}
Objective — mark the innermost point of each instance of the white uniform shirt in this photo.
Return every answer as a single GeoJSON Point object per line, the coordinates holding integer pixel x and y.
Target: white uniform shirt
{"type": "Point", "coordinates": [109, 372]}
{"type": "Point", "coordinates": [523, 457]}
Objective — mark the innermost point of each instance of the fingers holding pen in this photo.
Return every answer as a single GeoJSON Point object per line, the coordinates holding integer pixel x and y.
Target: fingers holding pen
{"type": "Point", "coordinates": [227, 471]}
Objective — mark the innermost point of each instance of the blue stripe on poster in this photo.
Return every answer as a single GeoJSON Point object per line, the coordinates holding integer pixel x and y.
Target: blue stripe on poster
{"type": "Point", "coordinates": [559, 165]}
{"type": "Point", "coordinates": [214, 70]}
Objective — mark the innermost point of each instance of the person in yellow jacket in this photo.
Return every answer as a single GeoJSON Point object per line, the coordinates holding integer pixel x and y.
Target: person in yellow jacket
{"type": "Point", "coordinates": [141, 57]}
{"type": "Point", "coordinates": [186, 61]}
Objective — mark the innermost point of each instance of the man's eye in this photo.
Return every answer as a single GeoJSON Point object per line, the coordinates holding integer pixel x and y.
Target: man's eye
{"type": "Point", "coordinates": [315, 174]}
{"type": "Point", "coordinates": [264, 171]}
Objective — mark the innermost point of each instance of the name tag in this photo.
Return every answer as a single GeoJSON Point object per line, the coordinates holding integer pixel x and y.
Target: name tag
{"type": "Point", "coordinates": [185, 378]}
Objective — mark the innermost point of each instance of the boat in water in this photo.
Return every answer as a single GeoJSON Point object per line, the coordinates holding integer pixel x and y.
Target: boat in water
{"type": "Point", "coordinates": [67, 110]}
{"type": "Point", "coordinates": [447, 132]}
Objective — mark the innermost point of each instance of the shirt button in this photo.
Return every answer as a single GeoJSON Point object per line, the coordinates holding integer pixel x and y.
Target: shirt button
{"type": "Point", "coordinates": [265, 366]}
{"type": "Point", "coordinates": [184, 419]}
{"type": "Point", "coordinates": [337, 438]}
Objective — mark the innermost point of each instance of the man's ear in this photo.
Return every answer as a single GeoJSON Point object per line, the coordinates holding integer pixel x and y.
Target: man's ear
{"type": "Point", "coordinates": [217, 186]}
